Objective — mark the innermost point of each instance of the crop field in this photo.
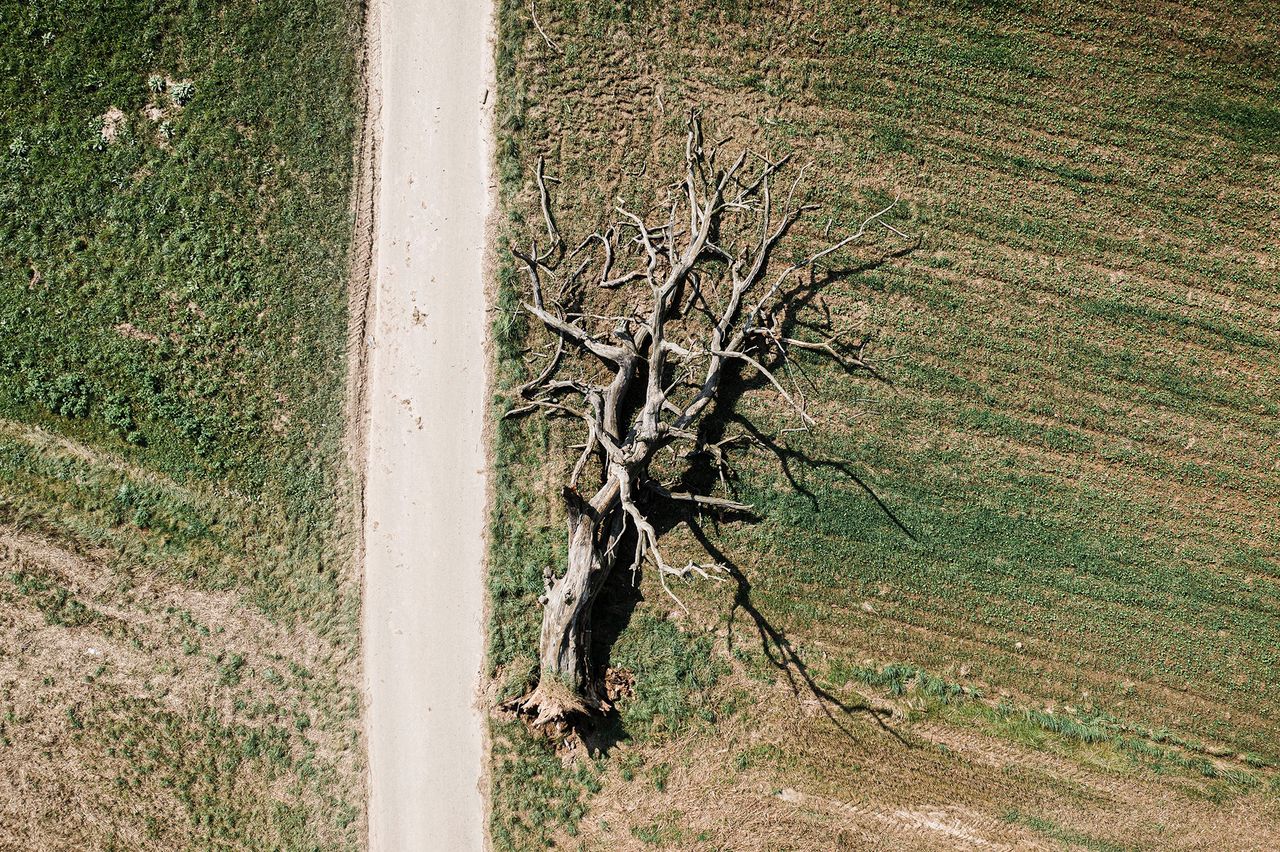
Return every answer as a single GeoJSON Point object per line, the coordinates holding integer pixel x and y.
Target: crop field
{"type": "Point", "coordinates": [178, 608]}
{"type": "Point", "coordinates": [1025, 587]}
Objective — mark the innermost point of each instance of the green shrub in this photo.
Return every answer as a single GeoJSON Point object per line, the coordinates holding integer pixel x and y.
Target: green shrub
{"type": "Point", "coordinates": [182, 92]}
{"type": "Point", "coordinates": [118, 415]}
{"type": "Point", "coordinates": [66, 396]}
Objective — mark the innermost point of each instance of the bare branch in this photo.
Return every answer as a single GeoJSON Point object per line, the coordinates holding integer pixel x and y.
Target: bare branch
{"type": "Point", "coordinates": [536, 382]}
{"type": "Point", "coordinates": [698, 287]}
{"type": "Point", "coordinates": [578, 335]}
{"type": "Point", "coordinates": [533, 13]}
{"type": "Point", "coordinates": [699, 499]}
{"type": "Point", "coordinates": [592, 444]}
{"type": "Point", "coordinates": [544, 199]}
{"type": "Point", "coordinates": [764, 371]}
{"type": "Point", "coordinates": [856, 235]}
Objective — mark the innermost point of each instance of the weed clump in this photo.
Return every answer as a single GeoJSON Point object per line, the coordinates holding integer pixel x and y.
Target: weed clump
{"type": "Point", "coordinates": [673, 671]}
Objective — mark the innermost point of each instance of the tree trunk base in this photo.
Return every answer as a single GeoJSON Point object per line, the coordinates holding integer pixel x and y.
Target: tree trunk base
{"type": "Point", "coordinates": [553, 704]}
{"type": "Point", "coordinates": [568, 693]}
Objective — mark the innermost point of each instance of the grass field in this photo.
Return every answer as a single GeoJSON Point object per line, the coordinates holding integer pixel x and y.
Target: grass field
{"type": "Point", "coordinates": [1065, 589]}
{"type": "Point", "coordinates": [178, 612]}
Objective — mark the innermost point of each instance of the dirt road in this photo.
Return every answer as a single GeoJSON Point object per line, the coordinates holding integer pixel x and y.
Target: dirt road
{"type": "Point", "coordinates": [425, 480]}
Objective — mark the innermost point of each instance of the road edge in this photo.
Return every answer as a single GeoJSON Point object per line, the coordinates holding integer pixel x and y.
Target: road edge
{"type": "Point", "coordinates": [489, 276]}
{"type": "Point", "coordinates": [361, 294]}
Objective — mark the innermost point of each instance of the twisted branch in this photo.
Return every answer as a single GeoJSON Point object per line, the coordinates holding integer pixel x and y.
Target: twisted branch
{"type": "Point", "coordinates": [687, 311]}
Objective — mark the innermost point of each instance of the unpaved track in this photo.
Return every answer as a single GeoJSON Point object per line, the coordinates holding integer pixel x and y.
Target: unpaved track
{"type": "Point", "coordinates": [426, 390]}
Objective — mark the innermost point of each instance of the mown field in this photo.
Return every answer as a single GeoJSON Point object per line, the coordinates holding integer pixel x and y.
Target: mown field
{"type": "Point", "coordinates": [178, 609]}
{"type": "Point", "coordinates": [1043, 553]}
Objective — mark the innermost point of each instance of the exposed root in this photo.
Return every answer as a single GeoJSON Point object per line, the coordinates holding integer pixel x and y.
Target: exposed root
{"type": "Point", "coordinates": [553, 706]}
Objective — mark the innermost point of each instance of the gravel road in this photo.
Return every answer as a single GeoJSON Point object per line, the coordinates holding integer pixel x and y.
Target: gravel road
{"type": "Point", "coordinates": [426, 391]}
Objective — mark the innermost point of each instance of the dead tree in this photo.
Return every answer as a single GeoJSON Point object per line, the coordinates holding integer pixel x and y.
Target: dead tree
{"type": "Point", "coordinates": [697, 293]}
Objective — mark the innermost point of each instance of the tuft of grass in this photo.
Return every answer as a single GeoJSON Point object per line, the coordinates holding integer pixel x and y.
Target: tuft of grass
{"type": "Point", "coordinates": [535, 794]}
{"type": "Point", "coordinates": [898, 679]}
{"type": "Point", "coordinates": [1053, 831]}
{"type": "Point", "coordinates": [1255, 125]}
{"type": "Point", "coordinates": [673, 672]}
{"type": "Point", "coordinates": [665, 832]}
{"type": "Point", "coordinates": [55, 601]}
{"type": "Point", "coordinates": [201, 762]}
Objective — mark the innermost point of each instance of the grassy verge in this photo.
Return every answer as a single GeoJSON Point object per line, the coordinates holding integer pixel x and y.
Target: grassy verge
{"type": "Point", "coordinates": [174, 236]}
{"type": "Point", "coordinates": [1073, 467]}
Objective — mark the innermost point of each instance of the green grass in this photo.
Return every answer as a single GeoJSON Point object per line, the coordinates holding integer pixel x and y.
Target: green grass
{"type": "Point", "coordinates": [536, 794]}
{"type": "Point", "coordinates": [1053, 831]}
{"type": "Point", "coordinates": [172, 356]}
{"type": "Point", "coordinates": [55, 601]}
{"type": "Point", "coordinates": [1080, 436]}
{"type": "Point", "coordinates": [223, 247]}
{"type": "Point", "coordinates": [1063, 730]}
{"type": "Point", "coordinates": [199, 760]}
{"type": "Point", "coordinates": [667, 832]}
{"type": "Point", "coordinates": [673, 673]}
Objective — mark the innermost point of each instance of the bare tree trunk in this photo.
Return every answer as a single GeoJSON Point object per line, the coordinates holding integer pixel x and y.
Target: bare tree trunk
{"type": "Point", "coordinates": [567, 684]}
{"type": "Point", "coordinates": [566, 619]}
{"type": "Point", "coordinates": [704, 293]}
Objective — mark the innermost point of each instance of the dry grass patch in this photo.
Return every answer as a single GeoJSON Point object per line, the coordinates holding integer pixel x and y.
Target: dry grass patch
{"type": "Point", "coordinates": [777, 772]}
{"type": "Point", "coordinates": [140, 714]}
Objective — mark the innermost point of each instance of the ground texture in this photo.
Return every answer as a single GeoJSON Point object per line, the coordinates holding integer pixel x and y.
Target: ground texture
{"type": "Point", "coordinates": [178, 608]}
{"type": "Point", "coordinates": [424, 508]}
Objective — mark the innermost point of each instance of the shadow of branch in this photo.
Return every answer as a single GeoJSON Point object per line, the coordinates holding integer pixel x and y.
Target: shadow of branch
{"type": "Point", "coordinates": [789, 458]}
{"type": "Point", "coordinates": [780, 653]}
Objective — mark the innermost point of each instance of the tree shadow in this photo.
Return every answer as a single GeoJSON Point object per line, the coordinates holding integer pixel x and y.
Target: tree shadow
{"type": "Point", "coordinates": [782, 655]}
{"type": "Point", "coordinates": [799, 301]}
{"type": "Point", "coordinates": [789, 459]}
{"type": "Point", "coordinates": [615, 605]}
{"type": "Point", "coordinates": [698, 474]}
